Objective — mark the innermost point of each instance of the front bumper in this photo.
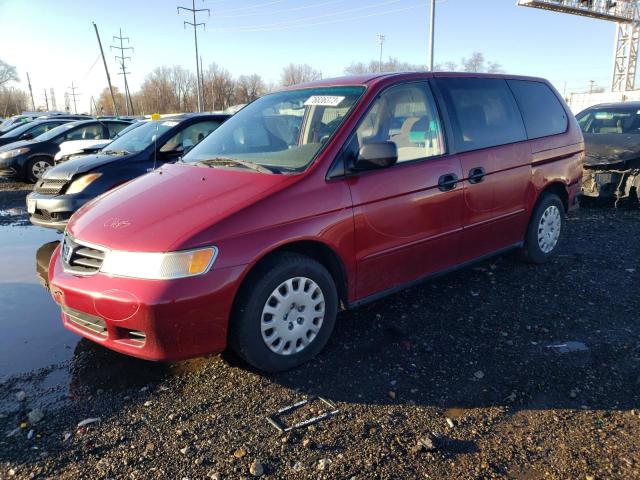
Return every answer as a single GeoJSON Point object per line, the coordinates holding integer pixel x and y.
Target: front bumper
{"type": "Point", "coordinates": [612, 184]}
{"type": "Point", "coordinates": [148, 319]}
{"type": "Point", "coordinates": [54, 211]}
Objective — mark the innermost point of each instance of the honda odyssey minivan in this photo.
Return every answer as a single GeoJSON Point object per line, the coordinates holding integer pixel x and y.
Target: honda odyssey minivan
{"type": "Point", "coordinates": [318, 198]}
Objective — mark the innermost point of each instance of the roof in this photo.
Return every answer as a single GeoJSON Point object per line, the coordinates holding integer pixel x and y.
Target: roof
{"type": "Point", "coordinates": [374, 78]}
{"type": "Point", "coordinates": [631, 105]}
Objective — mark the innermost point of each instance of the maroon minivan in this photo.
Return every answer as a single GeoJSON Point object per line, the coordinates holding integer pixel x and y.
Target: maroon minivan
{"type": "Point", "coordinates": [317, 198]}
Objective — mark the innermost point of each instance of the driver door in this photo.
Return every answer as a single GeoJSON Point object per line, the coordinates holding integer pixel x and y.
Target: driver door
{"type": "Point", "coordinates": [407, 222]}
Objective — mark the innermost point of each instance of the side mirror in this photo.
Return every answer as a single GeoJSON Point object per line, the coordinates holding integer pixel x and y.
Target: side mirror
{"type": "Point", "coordinates": [376, 155]}
{"type": "Point", "coordinates": [26, 136]}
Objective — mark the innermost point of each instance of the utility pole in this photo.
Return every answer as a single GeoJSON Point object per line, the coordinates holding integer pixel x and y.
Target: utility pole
{"type": "Point", "coordinates": [591, 84]}
{"type": "Point", "coordinates": [122, 58]}
{"type": "Point", "coordinates": [432, 23]}
{"type": "Point", "coordinates": [381, 39]}
{"type": "Point", "coordinates": [74, 95]}
{"type": "Point", "coordinates": [204, 103]}
{"type": "Point", "coordinates": [46, 99]}
{"type": "Point", "coordinates": [33, 104]}
{"type": "Point", "coordinates": [113, 98]}
{"type": "Point", "coordinates": [195, 26]}
{"type": "Point", "coordinates": [52, 93]}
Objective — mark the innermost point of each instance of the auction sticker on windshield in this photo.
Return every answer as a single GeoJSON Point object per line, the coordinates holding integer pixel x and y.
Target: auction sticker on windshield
{"type": "Point", "coordinates": [323, 101]}
{"type": "Point", "coordinates": [169, 124]}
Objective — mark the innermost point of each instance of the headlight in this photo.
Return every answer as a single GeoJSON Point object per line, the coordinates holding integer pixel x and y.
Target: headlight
{"type": "Point", "coordinates": [83, 182]}
{"type": "Point", "coordinates": [159, 266]}
{"type": "Point", "coordinates": [13, 153]}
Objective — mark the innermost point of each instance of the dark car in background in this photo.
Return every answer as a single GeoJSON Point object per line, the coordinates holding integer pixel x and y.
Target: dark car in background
{"type": "Point", "coordinates": [30, 130]}
{"type": "Point", "coordinates": [29, 159]}
{"type": "Point", "coordinates": [66, 187]}
{"type": "Point", "coordinates": [612, 143]}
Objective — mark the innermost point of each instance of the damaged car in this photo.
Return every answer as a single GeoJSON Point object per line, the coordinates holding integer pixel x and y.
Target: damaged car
{"type": "Point", "coordinates": [612, 144]}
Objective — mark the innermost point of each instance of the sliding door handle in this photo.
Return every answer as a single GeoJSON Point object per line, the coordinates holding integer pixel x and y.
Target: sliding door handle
{"type": "Point", "coordinates": [476, 175]}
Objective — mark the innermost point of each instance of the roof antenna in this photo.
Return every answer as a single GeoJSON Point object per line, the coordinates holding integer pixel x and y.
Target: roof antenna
{"type": "Point", "coordinates": [154, 118]}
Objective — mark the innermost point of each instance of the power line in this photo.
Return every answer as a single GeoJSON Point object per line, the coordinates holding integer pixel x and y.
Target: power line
{"type": "Point", "coordinates": [284, 10]}
{"type": "Point", "coordinates": [122, 58]}
{"type": "Point", "coordinates": [195, 25]}
{"type": "Point", "coordinates": [314, 24]}
{"type": "Point", "coordinates": [74, 95]}
{"type": "Point", "coordinates": [381, 39]}
{"type": "Point", "coordinates": [312, 18]}
{"type": "Point", "coordinates": [260, 5]}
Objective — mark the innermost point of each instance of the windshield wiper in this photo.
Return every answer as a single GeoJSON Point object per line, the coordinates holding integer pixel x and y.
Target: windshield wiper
{"type": "Point", "coordinates": [251, 165]}
{"type": "Point", "coordinates": [115, 152]}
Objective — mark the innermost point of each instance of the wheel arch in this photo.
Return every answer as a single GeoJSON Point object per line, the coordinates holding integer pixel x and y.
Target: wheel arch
{"type": "Point", "coordinates": [558, 188]}
{"type": "Point", "coordinates": [315, 249]}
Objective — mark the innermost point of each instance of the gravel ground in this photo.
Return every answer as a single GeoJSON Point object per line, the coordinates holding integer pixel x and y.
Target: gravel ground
{"type": "Point", "coordinates": [505, 370]}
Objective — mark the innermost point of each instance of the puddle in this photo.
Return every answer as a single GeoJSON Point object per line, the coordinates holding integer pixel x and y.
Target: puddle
{"type": "Point", "coordinates": [31, 334]}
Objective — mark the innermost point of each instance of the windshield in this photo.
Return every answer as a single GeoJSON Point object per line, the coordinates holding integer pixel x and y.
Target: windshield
{"type": "Point", "coordinates": [137, 139]}
{"type": "Point", "coordinates": [611, 120]}
{"type": "Point", "coordinates": [281, 131]}
{"type": "Point", "coordinates": [16, 132]}
{"type": "Point", "coordinates": [54, 132]}
{"type": "Point", "coordinates": [127, 129]}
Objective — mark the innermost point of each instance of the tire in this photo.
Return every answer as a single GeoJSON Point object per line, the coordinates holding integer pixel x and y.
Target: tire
{"type": "Point", "coordinates": [262, 313]}
{"type": "Point", "coordinates": [36, 167]}
{"type": "Point", "coordinates": [545, 230]}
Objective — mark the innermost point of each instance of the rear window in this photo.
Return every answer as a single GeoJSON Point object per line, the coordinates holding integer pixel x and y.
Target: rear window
{"type": "Point", "coordinates": [483, 111]}
{"type": "Point", "coordinates": [542, 112]}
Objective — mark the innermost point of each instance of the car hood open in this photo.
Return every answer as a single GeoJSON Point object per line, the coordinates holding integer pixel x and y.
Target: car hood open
{"type": "Point", "coordinates": [162, 210]}
{"type": "Point", "coordinates": [611, 149]}
{"type": "Point", "coordinates": [67, 170]}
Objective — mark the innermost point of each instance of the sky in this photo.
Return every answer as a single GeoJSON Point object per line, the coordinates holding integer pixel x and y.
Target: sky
{"type": "Point", "coordinates": [54, 41]}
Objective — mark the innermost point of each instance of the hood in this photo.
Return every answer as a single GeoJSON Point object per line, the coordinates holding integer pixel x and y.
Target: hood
{"type": "Point", "coordinates": [610, 149]}
{"type": "Point", "coordinates": [66, 170]}
{"type": "Point", "coordinates": [18, 144]}
{"type": "Point", "coordinates": [163, 209]}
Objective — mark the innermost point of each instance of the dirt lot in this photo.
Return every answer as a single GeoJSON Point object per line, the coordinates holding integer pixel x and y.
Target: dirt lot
{"type": "Point", "coordinates": [504, 370]}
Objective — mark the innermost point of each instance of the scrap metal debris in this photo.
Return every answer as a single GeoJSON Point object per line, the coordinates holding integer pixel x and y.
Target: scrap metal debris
{"type": "Point", "coordinates": [275, 420]}
{"type": "Point", "coordinates": [569, 347]}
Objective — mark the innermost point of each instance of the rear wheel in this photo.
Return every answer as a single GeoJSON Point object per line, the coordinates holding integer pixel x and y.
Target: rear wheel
{"type": "Point", "coordinates": [545, 229]}
{"type": "Point", "coordinates": [285, 313]}
{"type": "Point", "coordinates": [36, 167]}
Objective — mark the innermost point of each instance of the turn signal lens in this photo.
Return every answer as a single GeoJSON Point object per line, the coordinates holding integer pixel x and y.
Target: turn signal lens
{"type": "Point", "coordinates": [200, 260]}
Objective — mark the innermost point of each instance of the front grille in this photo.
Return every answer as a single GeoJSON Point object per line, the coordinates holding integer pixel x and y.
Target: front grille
{"type": "Point", "coordinates": [79, 258]}
{"type": "Point", "coordinates": [42, 215]}
{"type": "Point", "coordinates": [49, 187]}
{"type": "Point", "coordinates": [86, 321]}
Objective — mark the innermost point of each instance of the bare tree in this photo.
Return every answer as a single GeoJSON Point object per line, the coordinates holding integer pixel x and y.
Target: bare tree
{"type": "Point", "coordinates": [477, 63]}
{"type": "Point", "coordinates": [293, 74]}
{"type": "Point", "coordinates": [248, 88]}
{"type": "Point", "coordinates": [12, 101]}
{"type": "Point", "coordinates": [7, 73]}
{"type": "Point", "coordinates": [105, 105]}
{"type": "Point", "coordinates": [219, 88]}
{"type": "Point", "coordinates": [390, 65]}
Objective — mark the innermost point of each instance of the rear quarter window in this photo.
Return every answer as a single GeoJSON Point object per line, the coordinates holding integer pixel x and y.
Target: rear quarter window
{"type": "Point", "coordinates": [483, 112]}
{"type": "Point", "coordinates": [542, 112]}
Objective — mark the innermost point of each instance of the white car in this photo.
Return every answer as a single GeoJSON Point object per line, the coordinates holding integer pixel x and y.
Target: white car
{"type": "Point", "coordinates": [73, 147]}
{"type": "Point", "coordinates": [78, 148]}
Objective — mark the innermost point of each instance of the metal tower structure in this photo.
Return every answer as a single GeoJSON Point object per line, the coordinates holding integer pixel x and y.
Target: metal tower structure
{"type": "Point", "coordinates": [626, 15]}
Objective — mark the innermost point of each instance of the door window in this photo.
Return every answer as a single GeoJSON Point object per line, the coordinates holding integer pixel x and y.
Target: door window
{"type": "Point", "coordinates": [542, 112]}
{"type": "Point", "coordinates": [484, 112]}
{"type": "Point", "coordinates": [40, 129]}
{"type": "Point", "coordinates": [407, 116]}
{"type": "Point", "coordinates": [190, 136]}
{"type": "Point", "coordinates": [115, 128]}
{"type": "Point", "coordinates": [89, 132]}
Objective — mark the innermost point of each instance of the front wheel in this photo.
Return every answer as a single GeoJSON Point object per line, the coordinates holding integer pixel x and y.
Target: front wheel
{"type": "Point", "coordinates": [545, 229]}
{"type": "Point", "coordinates": [36, 168]}
{"type": "Point", "coordinates": [285, 313]}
